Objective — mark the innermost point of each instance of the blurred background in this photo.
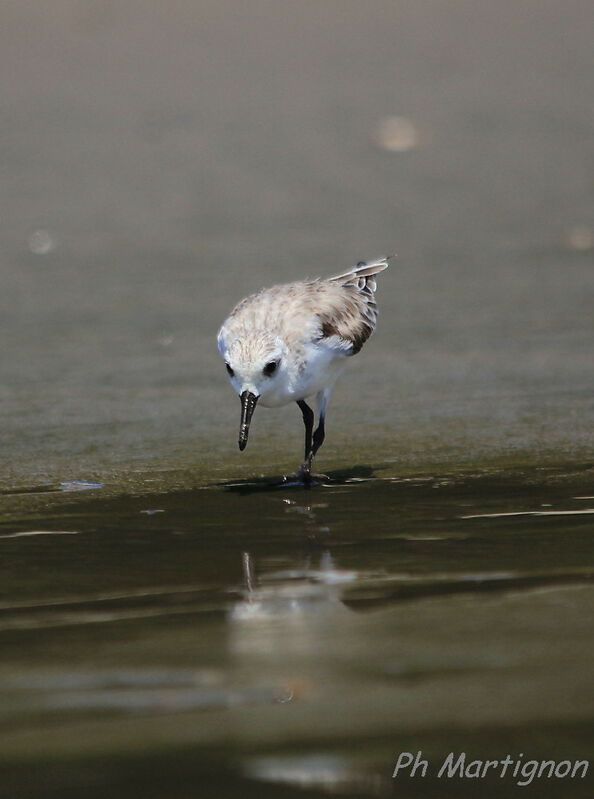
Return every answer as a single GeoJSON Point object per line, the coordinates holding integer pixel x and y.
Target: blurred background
{"type": "Point", "coordinates": [160, 161]}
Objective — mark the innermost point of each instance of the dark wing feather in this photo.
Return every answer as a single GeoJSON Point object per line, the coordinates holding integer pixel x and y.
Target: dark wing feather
{"type": "Point", "coordinates": [351, 319]}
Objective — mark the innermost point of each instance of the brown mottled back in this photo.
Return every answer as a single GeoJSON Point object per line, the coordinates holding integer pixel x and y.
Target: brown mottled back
{"type": "Point", "coordinates": [340, 310]}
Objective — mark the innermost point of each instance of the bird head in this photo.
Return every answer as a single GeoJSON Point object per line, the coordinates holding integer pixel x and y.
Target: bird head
{"type": "Point", "coordinates": [254, 364]}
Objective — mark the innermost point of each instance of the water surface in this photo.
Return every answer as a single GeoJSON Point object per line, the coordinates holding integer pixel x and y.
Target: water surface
{"type": "Point", "coordinates": [269, 638]}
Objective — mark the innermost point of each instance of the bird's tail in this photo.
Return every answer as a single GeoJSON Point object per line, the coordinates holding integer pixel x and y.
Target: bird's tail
{"type": "Point", "coordinates": [362, 275]}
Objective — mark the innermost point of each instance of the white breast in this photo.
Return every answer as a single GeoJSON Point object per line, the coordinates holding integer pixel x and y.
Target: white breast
{"type": "Point", "coordinates": [315, 370]}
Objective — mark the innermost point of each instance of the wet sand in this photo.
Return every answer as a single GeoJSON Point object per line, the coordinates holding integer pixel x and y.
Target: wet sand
{"type": "Point", "coordinates": [161, 163]}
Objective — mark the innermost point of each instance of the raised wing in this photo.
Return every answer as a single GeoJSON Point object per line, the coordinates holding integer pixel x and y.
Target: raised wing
{"type": "Point", "coordinates": [349, 314]}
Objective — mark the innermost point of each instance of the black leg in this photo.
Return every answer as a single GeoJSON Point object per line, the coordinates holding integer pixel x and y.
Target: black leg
{"type": "Point", "coordinates": [308, 421]}
{"type": "Point", "coordinates": [318, 436]}
{"type": "Point", "coordinates": [313, 441]}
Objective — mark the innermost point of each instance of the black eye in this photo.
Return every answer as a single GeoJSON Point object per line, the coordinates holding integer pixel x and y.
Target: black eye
{"type": "Point", "coordinates": [230, 371]}
{"type": "Point", "coordinates": [270, 368]}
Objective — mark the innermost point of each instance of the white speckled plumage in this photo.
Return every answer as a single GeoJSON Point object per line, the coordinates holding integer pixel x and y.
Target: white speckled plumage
{"type": "Point", "coordinates": [290, 342]}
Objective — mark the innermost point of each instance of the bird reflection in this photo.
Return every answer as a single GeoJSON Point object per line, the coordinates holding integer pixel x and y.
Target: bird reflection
{"type": "Point", "coordinates": [289, 591]}
{"type": "Point", "coordinates": [287, 611]}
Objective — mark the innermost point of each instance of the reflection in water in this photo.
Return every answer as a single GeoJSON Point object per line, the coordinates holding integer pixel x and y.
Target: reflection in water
{"type": "Point", "coordinates": [29, 533]}
{"type": "Point", "coordinates": [581, 512]}
{"type": "Point", "coordinates": [304, 631]}
{"type": "Point", "coordinates": [331, 774]}
{"type": "Point", "coordinates": [285, 611]}
{"type": "Point", "coordinates": [45, 694]}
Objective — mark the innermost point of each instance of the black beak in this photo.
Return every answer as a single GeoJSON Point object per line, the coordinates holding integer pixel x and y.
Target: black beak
{"type": "Point", "coordinates": [248, 403]}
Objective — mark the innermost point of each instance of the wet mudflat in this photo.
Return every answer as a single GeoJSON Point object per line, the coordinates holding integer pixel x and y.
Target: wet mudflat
{"type": "Point", "coordinates": [245, 637]}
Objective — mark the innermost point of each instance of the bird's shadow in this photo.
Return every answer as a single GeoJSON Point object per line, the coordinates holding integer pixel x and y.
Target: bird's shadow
{"type": "Point", "coordinates": [255, 485]}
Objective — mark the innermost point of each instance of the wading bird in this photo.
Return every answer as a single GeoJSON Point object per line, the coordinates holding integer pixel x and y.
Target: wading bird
{"type": "Point", "coordinates": [290, 342]}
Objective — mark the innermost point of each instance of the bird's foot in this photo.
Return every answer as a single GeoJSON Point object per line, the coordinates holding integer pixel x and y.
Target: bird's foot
{"type": "Point", "coordinates": [304, 476]}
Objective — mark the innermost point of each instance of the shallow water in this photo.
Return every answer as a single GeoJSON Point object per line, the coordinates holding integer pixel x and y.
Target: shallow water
{"type": "Point", "coordinates": [253, 637]}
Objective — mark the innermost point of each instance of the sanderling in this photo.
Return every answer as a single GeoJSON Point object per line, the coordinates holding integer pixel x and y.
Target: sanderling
{"type": "Point", "coordinates": [290, 342]}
